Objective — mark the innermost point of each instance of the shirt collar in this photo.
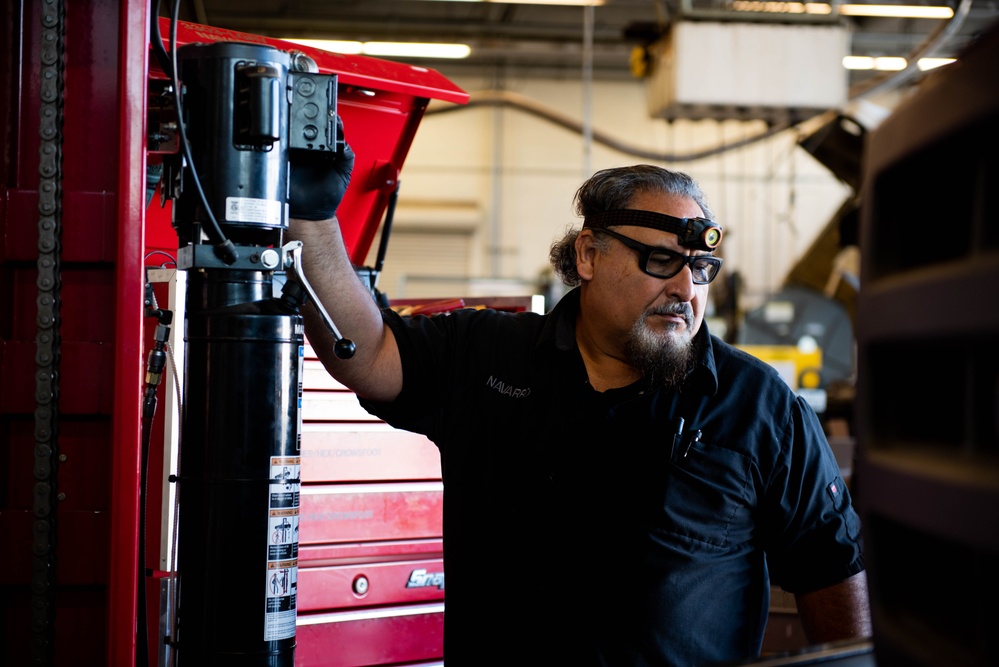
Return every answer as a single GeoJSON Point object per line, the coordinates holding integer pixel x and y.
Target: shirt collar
{"type": "Point", "coordinates": [560, 328]}
{"type": "Point", "coordinates": [704, 378]}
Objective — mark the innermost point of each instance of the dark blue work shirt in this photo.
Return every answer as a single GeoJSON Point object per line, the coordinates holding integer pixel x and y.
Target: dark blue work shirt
{"type": "Point", "coordinates": [579, 531]}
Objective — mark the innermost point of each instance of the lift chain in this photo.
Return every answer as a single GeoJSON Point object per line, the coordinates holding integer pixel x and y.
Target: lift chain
{"type": "Point", "coordinates": [47, 341]}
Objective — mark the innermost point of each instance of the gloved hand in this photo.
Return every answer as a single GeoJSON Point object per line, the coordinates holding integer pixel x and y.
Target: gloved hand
{"type": "Point", "coordinates": [318, 182]}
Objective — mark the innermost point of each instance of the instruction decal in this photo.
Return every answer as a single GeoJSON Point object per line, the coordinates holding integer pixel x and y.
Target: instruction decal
{"type": "Point", "coordinates": [282, 547]}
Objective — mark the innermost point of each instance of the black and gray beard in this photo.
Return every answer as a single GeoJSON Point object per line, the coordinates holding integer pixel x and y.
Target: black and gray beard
{"type": "Point", "coordinates": [664, 357]}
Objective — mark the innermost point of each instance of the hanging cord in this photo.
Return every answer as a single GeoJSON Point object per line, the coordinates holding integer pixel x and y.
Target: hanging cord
{"type": "Point", "coordinates": [167, 63]}
{"type": "Point", "coordinates": [154, 376]}
{"type": "Point", "coordinates": [163, 348]}
{"type": "Point", "coordinates": [162, 57]}
{"type": "Point", "coordinates": [224, 248]}
{"type": "Point", "coordinates": [505, 98]}
{"type": "Point", "coordinates": [152, 309]}
{"type": "Point", "coordinates": [937, 38]}
{"type": "Point", "coordinates": [172, 577]}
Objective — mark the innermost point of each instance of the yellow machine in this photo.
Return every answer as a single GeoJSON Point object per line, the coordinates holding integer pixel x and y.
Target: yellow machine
{"type": "Point", "coordinates": [800, 365]}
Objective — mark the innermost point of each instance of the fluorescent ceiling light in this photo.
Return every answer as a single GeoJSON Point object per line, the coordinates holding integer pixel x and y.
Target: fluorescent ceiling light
{"type": "Point", "coordinates": [933, 63]}
{"type": "Point", "coordinates": [886, 11]}
{"type": "Point", "coordinates": [578, 3]}
{"type": "Point", "coordinates": [781, 7]}
{"type": "Point", "coordinates": [336, 46]}
{"type": "Point", "coordinates": [416, 50]}
{"type": "Point", "coordinates": [388, 49]}
{"type": "Point", "coordinates": [885, 64]}
{"type": "Point", "coordinates": [897, 11]}
{"type": "Point", "coordinates": [880, 63]}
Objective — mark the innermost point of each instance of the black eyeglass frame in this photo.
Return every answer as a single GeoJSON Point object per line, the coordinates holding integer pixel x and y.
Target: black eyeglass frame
{"type": "Point", "coordinates": [645, 253]}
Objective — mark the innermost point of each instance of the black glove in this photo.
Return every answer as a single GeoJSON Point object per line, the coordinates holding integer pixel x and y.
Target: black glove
{"type": "Point", "coordinates": [318, 182]}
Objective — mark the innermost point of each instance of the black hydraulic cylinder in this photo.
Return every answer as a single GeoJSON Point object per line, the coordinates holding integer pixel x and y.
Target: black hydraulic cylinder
{"type": "Point", "coordinates": [246, 109]}
{"type": "Point", "coordinates": [239, 480]}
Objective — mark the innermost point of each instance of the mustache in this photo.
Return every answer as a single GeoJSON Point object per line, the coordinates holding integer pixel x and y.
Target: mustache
{"type": "Point", "coordinates": [684, 310]}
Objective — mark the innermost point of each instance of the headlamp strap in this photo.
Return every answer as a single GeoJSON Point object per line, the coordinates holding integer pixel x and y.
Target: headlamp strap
{"type": "Point", "coordinates": [696, 233]}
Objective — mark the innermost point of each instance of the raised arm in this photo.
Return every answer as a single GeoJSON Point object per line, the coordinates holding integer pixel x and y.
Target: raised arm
{"type": "Point", "coordinates": [374, 372]}
{"type": "Point", "coordinates": [840, 611]}
{"type": "Point", "coordinates": [317, 187]}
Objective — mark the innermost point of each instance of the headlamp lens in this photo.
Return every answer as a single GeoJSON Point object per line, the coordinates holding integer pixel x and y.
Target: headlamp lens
{"type": "Point", "coordinates": [711, 237]}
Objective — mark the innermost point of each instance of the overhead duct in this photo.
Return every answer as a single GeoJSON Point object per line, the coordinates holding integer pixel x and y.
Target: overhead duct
{"type": "Point", "coordinates": [729, 70]}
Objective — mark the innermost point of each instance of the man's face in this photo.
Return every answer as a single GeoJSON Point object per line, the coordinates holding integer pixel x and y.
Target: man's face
{"type": "Point", "coordinates": [654, 318]}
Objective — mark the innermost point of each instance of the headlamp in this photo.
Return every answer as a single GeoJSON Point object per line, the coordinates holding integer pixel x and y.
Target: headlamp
{"type": "Point", "coordinates": [694, 233]}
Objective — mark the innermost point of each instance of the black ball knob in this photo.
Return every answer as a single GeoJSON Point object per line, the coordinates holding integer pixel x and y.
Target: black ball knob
{"type": "Point", "coordinates": [344, 348]}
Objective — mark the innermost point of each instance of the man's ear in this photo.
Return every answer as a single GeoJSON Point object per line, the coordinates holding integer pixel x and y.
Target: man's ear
{"type": "Point", "coordinates": [586, 252]}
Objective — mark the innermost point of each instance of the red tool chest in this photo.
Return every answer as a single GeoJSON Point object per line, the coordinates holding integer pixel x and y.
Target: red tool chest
{"type": "Point", "coordinates": [371, 574]}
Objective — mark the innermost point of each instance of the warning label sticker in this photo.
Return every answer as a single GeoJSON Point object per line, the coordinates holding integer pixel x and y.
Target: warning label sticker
{"type": "Point", "coordinates": [283, 543]}
{"type": "Point", "coordinates": [282, 547]}
{"type": "Point", "coordinates": [247, 209]}
{"type": "Point", "coordinates": [282, 591]}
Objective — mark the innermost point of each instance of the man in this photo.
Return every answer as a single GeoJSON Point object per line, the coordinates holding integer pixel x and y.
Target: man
{"type": "Point", "coordinates": [620, 487]}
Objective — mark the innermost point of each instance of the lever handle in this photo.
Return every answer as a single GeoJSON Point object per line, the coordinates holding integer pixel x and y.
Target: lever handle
{"type": "Point", "coordinates": [343, 348]}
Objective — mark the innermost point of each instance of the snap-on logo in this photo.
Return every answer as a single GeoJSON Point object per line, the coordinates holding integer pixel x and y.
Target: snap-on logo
{"type": "Point", "coordinates": [507, 390]}
{"type": "Point", "coordinates": [424, 579]}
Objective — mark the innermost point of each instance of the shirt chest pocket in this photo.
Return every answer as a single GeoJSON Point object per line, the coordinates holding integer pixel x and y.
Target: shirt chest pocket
{"type": "Point", "coordinates": [706, 500]}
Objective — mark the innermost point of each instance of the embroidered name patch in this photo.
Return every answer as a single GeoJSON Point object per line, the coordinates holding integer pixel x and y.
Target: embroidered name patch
{"type": "Point", "coordinates": [506, 389]}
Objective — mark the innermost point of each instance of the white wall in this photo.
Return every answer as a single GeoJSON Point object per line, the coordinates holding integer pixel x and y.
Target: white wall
{"type": "Point", "coordinates": [505, 179]}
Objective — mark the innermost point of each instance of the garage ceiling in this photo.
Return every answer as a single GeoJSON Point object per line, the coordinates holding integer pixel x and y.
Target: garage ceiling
{"type": "Point", "coordinates": [522, 40]}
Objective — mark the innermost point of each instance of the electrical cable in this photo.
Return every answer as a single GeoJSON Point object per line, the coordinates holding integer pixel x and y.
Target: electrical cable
{"type": "Point", "coordinates": [157, 356]}
{"type": "Point", "coordinates": [162, 57]}
{"type": "Point", "coordinates": [142, 622]}
{"type": "Point", "coordinates": [523, 103]}
{"type": "Point", "coordinates": [503, 98]}
{"type": "Point", "coordinates": [165, 254]}
{"type": "Point", "coordinates": [936, 39]}
{"type": "Point", "coordinates": [224, 249]}
{"type": "Point", "coordinates": [154, 375]}
{"type": "Point", "coordinates": [171, 621]}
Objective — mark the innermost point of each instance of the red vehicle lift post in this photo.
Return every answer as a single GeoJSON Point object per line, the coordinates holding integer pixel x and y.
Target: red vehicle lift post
{"type": "Point", "coordinates": [71, 598]}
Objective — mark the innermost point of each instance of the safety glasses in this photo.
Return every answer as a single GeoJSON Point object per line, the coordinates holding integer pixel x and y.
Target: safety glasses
{"type": "Point", "coordinates": [661, 263]}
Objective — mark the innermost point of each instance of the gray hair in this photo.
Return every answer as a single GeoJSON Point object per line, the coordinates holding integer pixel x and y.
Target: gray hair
{"type": "Point", "coordinates": [615, 188]}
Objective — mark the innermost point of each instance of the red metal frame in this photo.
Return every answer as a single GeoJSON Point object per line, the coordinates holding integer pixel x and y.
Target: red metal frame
{"type": "Point", "coordinates": [108, 231]}
{"type": "Point", "coordinates": [133, 65]}
{"type": "Point", "coordinates": [100, 369]}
